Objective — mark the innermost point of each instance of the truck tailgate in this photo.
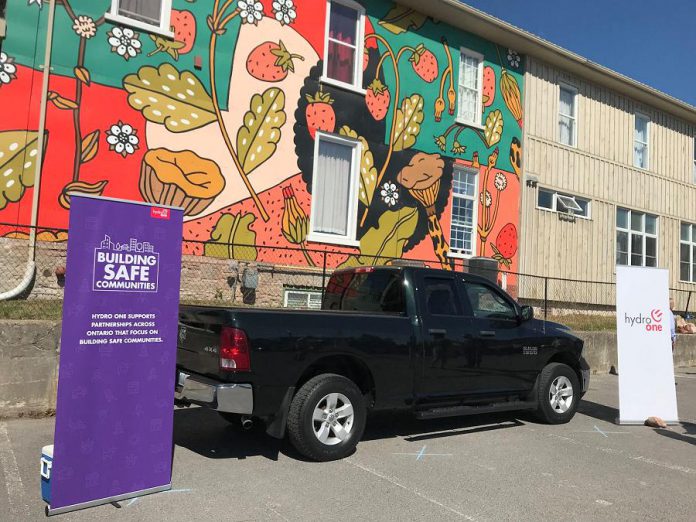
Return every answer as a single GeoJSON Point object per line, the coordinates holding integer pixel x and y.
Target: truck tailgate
{"type": "Point", "coordinates": [198, 342]}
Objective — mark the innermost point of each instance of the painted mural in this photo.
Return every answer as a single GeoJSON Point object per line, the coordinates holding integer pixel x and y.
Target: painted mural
{"type": "Point", "coordinates": [222, 120]}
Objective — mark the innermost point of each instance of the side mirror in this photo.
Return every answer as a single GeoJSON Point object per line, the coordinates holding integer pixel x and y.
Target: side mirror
{"type": "Point", "coordinates": [527, 313]}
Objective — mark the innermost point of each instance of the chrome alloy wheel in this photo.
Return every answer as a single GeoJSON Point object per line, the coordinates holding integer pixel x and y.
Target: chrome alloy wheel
{"type": "Point", "coordinates": [561, 394]}
{"type": "Point", "coordinates": [332, 419]}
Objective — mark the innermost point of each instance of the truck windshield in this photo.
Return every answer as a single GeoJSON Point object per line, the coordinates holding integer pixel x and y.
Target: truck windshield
{"type": "Point", "coordinates": [378, 291]}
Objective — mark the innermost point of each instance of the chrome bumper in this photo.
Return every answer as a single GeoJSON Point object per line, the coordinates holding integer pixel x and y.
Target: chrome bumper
{"type": "Point", "coordinates": [585, 380]}
{"type": "Point", "coordinates": [231, 398]}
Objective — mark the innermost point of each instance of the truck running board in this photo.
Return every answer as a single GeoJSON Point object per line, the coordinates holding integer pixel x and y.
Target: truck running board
{"type": "Point", "coordinates": [454, 411]}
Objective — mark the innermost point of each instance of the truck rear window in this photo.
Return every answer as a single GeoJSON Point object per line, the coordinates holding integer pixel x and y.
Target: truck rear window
{"type": "Point", "coordinates": [378, 291]}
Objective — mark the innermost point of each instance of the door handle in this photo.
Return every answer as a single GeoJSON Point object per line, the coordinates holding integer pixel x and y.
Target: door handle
{"type": "Point", "coordinates": [487, 333]}
{"type": "Point", "coordinates": [437, 331]}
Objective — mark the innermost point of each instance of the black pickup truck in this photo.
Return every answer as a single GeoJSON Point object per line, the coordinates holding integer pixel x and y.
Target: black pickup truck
{"type": "Point", "coordinates": [433, 342]}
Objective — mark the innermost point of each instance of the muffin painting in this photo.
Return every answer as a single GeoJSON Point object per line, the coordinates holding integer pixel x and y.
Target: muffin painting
{"type": "Point", "coordinates": [180, 179]}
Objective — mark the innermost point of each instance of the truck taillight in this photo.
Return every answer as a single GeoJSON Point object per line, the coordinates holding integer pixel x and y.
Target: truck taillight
{"type": "Point", "coordinates": [234, 350]}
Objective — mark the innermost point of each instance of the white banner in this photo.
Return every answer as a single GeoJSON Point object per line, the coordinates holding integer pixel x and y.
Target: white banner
{"type": "Point", "coordinates": [646, 371]}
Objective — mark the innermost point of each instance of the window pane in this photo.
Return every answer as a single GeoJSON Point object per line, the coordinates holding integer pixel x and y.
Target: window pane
{"type": "Point", "coordinates": [584, 205]}
{"type": "Point", "coordinates": [567, 102]}
{"type": "Point", "coordinates": [640, 156]}
{"type": "Point", "coordinates": [636, 250]}
{"type": "Point", "coordinates": [379, 291]}
{"type": "Point", "coordinates": [440, 297]}
{"type": "Point", "coordinates": [462, 224]}
{"type": "Point", "coordinates": [331, 189]}
{"type": "Point", "coordinates": [651, 247]}
{"type": "Point", "coordinates": [622, 218]}
{"type": "Point", "coordinates": [341, 62]}
{"type": "Point", "coordinates": [147, 11]}
{"type": "Point", "coordinates": [343, 24]}
{"type": "Point", "coordinates": [464, 183]}
{"type": "Point", "coordinates": [693, 264]}
{"type": "Point", "coordinates": [685, 232]}
{"type": "Point", "coordinates": [545, 199]}
{"type": "Point", "coordinates": [684, 262]}
{"type": "Point", "coordinates": [622, 248]}
{"type": "Point", "coordinates": [566, 130]}
{"type": "Point", "coordinates": [637, 221]}
{"type": "Point", "coordinates": [650, 224]}
{"type": "Point", "coordinates": [467, 105]}
{"type": "Point", "coordinates": [485, 303]}
{"type": "Point", "coordinates": [684, 274]}
{"type": "Point", "coordinates": [641, 129]}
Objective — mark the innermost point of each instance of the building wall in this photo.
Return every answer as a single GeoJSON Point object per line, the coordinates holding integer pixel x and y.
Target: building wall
{"type": "Point", "coordinates": [192, 101]}
{"type": "Point", "coordinates": [601, 169]}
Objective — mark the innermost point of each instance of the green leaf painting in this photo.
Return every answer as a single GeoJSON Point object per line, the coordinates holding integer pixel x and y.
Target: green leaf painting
{"type": "Point", "coordinates": [408, 122]}
{"type": "Point", "coordinates": [401, 19]}
{"type": "Point", "coordinates": [368, 171]}
{"type": "Point", "coordinates": [164, 95]}
{"type": "Point", "coordinates": [258, 137]}
{"type": "Point", "coordinates": [233, 238]}
{"type": "Point", "coordinates": [493, 129]}
{"type": "Point", "coordinates": [18, 153]}
{"type": "Point", "coordinates": [379, 245]}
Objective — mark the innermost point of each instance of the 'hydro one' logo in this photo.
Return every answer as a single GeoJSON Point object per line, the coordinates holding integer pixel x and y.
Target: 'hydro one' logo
{"type": "Point", "coordinates": [652, 322]}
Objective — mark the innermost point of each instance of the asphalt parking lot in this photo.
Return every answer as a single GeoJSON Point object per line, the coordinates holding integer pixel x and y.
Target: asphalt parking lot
{"type": "Point", "coordinates": [485, 468]}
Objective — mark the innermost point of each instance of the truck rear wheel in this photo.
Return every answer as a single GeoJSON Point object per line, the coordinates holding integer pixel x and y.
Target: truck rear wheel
{"type": "Point", "coordinates": [327, 418]}
{"type": "Point", "coordinates": [558, 393]}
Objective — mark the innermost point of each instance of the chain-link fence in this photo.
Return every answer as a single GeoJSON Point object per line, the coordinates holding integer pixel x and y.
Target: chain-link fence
{"type": "Point", "coordinates": [272, 276]}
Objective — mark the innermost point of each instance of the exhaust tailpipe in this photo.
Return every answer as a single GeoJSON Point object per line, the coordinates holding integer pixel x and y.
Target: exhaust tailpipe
{"type": "Point", "coordinates": [247, 423]}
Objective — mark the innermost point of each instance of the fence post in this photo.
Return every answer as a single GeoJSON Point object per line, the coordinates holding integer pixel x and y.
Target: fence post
{"type": "Point", "coordinates": [323, 277]}
{"type": "Point", "coordinates": [688, 300]}
{"type": "Point", "coordinates": [546, 297]}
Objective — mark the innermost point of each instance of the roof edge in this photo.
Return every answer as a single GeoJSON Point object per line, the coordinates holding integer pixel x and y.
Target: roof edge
{"type": "Point", "coordinates": [463, 16]}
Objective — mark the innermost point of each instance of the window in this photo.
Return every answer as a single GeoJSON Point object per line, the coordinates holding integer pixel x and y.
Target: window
{"type": "Point", "coordinates": [366, 290]}
{"type": "Point", "coordinates": [440, 297]}
{"type": "Point", "coordinates": [298, 298]}
{"type": "Point", "coordinates": [487, 303]}
{"type": "Point", "coordinates": [462, 232]}
{"type": "Point", "coordinates": [636, 238]}
{"type": "Point", "coordinates": [343, 49]}
{"type": "Point", "coordinates": [567, 115]}
{"type": "Point", "coordinates": [560, 202]}
{"type": "Point", "coordinates": [640, 141]}
{"type": "Point", "coordinates": [687, 253]}
{"type": "Point", "coordinates": [470, 81]}
{"type": "Point", "coordinates": [149, 15]}
{"type": "Point", "coordinates": [334, 190]}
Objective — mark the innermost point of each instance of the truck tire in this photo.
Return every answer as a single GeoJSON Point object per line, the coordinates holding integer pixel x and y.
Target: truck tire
{"type": "Point", "coordinates": [327, 418]}
{"type": "Point", "coordinates": [557, 393]}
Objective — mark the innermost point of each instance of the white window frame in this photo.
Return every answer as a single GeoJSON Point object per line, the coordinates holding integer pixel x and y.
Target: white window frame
{"type": "Point", "coordinates": [644, 116]}
{"type": "Point", "coordinates": [334, 239]}
{"type": "Point", "coordinates": [454, 252]}
{"type": "Point", "coordinates": [463, 51]}
{"type": "Point", "coordinates": [691, 243]}
{"type": "Point", "coordinates": [632, 233]}
{"type": "Point", "coordinates": [163, 29]}
{"type": "Point", "coordinates": [359, 48]}
{"type": "Point", "coordinates": [574, 116]}
{"type": "Point", "coordinates": [554, 202]}
{"type": "Point", "coordinates": [307, 291]}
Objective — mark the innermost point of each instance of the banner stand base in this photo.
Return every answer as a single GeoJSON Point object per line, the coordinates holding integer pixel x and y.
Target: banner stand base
{"type": "Point", "coordinates": [101, 501]}
{"type": "Point", "coordinates": [642, 423]}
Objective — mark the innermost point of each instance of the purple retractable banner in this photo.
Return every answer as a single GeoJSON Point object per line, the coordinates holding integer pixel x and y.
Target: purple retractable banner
{"type": "Point", "coordinates": [114, 416]}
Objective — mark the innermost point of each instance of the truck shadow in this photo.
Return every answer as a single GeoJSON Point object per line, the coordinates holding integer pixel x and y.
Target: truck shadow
{"type": "Point", "coordinates": [204, 432]}
{"type": "Point", "coordinates": [598, 411]}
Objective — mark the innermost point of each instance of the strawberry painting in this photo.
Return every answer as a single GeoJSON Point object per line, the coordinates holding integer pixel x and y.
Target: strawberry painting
{"type": "Point", "coordinates": [424, 64]}
{"type": "Point", "coordinates": [183, 25]}
{"type": "Point", "coordinates": [271, 62]}
{"type": "Point", "coordinates": [488, 92]}
{"type": "Point", "coordinates": [320, 114]}
{"type": "Point", "coordinates": [377, 99]}
{"type": "Point", "coordinates": [505, 246]}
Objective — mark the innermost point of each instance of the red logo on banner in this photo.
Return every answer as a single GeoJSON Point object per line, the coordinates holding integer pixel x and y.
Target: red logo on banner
{"type": "Point", "coordinates": [656, 315]}
{"type": "Point", "coordinates": [160, 213]}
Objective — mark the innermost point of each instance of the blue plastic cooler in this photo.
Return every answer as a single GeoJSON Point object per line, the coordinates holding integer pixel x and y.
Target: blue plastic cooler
{"type": "Point", "coordinates": [46, 465]}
